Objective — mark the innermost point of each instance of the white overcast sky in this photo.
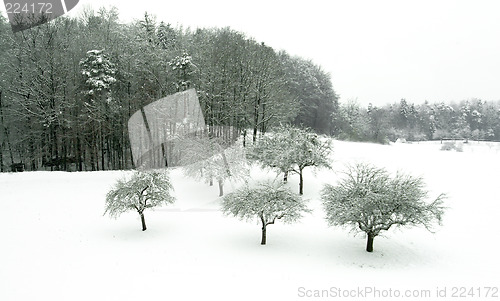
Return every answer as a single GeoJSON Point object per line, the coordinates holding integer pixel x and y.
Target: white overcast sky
{"type": "Point", "coordinates": [376, 51]}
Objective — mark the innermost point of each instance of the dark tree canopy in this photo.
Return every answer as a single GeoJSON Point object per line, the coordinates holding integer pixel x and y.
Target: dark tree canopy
{"type": "Point", "coordinates": [313, 89]}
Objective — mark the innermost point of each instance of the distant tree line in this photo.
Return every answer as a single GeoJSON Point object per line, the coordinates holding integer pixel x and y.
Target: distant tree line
{"type": "Point", "coordinates": [469, 119]}
{"type": "Point", "coordinates": [68, 87]}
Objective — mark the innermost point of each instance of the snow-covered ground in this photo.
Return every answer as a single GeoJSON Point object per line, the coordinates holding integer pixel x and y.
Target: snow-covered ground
{"type": "Point", "coordinates": [57, 245]}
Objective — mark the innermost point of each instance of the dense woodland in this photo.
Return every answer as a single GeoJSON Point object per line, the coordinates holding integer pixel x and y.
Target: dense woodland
{"type": "Point", "coordinates": [68, 88]}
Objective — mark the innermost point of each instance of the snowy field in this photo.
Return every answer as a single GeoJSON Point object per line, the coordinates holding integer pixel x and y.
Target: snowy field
{"type": "Point", "coordinates": [57, 245]}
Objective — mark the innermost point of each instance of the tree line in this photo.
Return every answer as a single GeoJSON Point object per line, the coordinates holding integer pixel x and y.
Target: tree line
{"type": "Point", "coordinates": [68, 87]}
{"type": "Point", "coordinates": [469, 119]}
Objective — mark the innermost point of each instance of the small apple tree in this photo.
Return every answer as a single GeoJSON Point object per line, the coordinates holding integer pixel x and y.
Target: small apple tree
{"type": "Point", "coordinates": [310, 150]}
{"type": "Point", "coordinates": [145, 189]}
{"type": "Point", "coordinates": [290, 149]}
{"type": "Point", "coordinates": [371, 201]}
{"type": "Point", "coordinates": [267, 202]}
{"type": "Point", "coordinates": [206, 159]}
{"type": "Point", "coordinates": [273, 151]}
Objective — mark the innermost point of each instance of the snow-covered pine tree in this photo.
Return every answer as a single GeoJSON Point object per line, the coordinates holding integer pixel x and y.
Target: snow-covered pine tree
{"type": "Point", "coordinates": [145, 189]}
{"type": "Point", "coordinates": [267, 202]}
{"type": "Point", "coordinates": [167, 37]}
{"type": "Point", "coordinates": [184, 68]}
{"type": "Point", "coordinates": [99, 73]}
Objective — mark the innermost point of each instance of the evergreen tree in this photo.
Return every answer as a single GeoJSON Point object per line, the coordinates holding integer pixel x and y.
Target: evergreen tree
{"type": "Point", "coordinates": [98, 74]}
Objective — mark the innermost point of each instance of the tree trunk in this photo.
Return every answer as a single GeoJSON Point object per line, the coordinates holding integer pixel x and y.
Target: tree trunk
{"type": "Point", "coordinates": [1, 142]}
{"type": "Point", "coordinates": [221, 188]}
{"type": "Point", "coordinates": [263, 124]}
{"type": "Point", "coordinates": [101, 142]}
{"type": "Point", "coordinates": [256, 119]}
{"type": "Point", "coordinates": [1, 156]}
{"type": "Point", "coordinates": [129, 145]}
{"type": "Point", "coordinates": [5, 133]}
{"type": "Point", "coordinates": [301, 183]}
{"type": "Point", "coordinates": [244, 138]}
{"type": "Point", "coordinates": [55, 134]}
{"type": "Point", "coordinates": [263, 241]}
{"type": "Point", "coordinates": [143, 221]}
{"type": "Point", "coordinates": [369, 242]}
{"type": "Point", "coordinates": [285, 177]}
{"type": "Point", "coordinates": [79, 153]}
{"type": "Point", "coordinates": [164, 155]}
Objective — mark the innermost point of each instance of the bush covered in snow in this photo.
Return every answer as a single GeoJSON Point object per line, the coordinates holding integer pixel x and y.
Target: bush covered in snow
{"type": "Point", "coordinates": [451, 145]}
